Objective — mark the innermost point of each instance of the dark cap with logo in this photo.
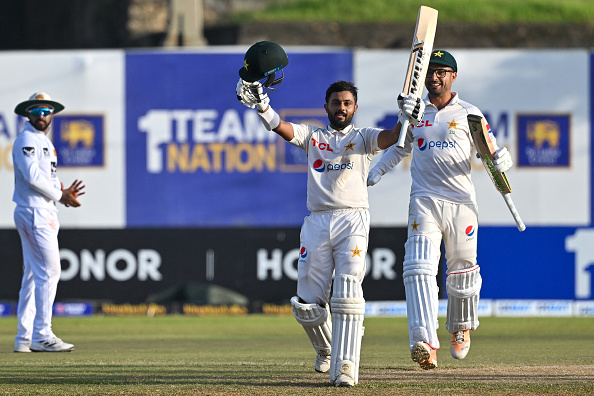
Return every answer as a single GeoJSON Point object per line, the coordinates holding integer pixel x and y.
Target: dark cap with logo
{"type": "Point", "coordinates": [261, 60]}
{"type": "Point", "coordinates": [444, 58]}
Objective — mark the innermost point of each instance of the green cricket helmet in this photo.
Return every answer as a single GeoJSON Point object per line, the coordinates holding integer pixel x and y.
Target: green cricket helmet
{"type": "Point", "coordinates": [262, 62]}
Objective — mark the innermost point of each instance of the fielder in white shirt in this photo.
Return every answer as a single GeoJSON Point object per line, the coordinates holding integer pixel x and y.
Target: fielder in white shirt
{"type": "Point", "coordinates": [37, 189]}
{"type": "Point", "coordinates": [334, 237]}
{"type": "Point", "coordinates": [442, 207]}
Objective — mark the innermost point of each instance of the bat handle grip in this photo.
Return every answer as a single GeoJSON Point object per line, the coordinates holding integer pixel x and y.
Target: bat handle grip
{"type": "Point", "coordinates": [403, 131]}
{"type": "Point", "coordinates": [512, 208]}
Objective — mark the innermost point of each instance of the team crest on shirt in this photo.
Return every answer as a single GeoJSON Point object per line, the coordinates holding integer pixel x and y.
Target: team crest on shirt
{"type": "Point", "coordinates": [349, 146]}
{"type": "Point", "coordinates": [453, 126]}
{"type": "Point", "coordinates": [29, 151]}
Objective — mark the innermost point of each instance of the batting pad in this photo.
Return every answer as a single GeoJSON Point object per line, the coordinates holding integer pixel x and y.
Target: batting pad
{"type": "Point", "coordinates": [463, 297]}
{"type": "Point", "coordinates": [348, 310]}
{"type": "Point", "coordinates": [421, 262]}
{"type": "Point", "coordinates": [315, 320]}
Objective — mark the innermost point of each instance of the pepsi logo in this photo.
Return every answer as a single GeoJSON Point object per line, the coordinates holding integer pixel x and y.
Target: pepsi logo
{"type": "Point", "coordinates": [422, 144]}
{"type": "Point", "coordinates": [319, 166]}
{"type": "Point", "coordinates": [470, 231]}
{"type": "Point", "coordinates": [303, 252]}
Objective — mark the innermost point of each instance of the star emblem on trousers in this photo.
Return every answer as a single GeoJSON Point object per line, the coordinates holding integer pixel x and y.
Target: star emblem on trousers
{"type": "Point", "coordinates": [356, 251]}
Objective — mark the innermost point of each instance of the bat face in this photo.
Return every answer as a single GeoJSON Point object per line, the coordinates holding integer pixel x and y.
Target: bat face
{"type": "Point", "coordinates": [420, 51]}
{"type": "Point", "coordinates": [485, 148]}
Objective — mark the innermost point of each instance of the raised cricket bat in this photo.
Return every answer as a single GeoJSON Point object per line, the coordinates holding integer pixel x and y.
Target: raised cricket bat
{"type": "Point", "coordinates": [420, 53]}
{"type": "Point", "coordinates": [484, 146]}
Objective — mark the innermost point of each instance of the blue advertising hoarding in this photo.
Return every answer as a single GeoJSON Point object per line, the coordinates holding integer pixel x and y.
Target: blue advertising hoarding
{"type": "Point", "coordinates": [196, 157]}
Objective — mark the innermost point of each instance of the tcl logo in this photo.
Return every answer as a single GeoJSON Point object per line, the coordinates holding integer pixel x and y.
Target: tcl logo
{"type": "Point", "coordinates": [423, 124]}
{"type": "Point", "coordinates": [321, 146]}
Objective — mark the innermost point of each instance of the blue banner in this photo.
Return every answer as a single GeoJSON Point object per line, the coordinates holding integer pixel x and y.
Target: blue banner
{"type": "Point", "coordinates": [196, 157]}
{"type": "Point", "coordinates": [539, 263]}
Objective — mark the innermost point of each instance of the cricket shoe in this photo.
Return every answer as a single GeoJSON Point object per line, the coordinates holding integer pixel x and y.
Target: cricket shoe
{"type": "Point", "coordinates": [344, 380]}
{"type": "Point", "coordinates": [52, 345]}
{"type": "Point", "coordinates": [423, 354]}
{"type": "Point", "coordinates": [322, 363]}
{"type": "Point", "coordinates": [460, 344]}
{"type": "Point", "coordinates": [21, 347]}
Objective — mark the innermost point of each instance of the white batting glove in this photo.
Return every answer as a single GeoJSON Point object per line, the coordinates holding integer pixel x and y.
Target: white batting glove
{"type": "Point", "coordinates": [262, 99]}
{"type": "Point", "coordinates": [373, 178]}
{"type": "Point", "coordinates": [244, 95]}
{"type": "Point", "coordinates": [412, 107]}
{"type": "Point", "coordinates": [502, 160]}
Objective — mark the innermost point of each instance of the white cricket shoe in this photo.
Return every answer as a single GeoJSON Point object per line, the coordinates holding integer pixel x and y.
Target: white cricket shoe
{"type": "Point", "coordinates": [344, 380]}
{"type": "Point", "coordinates": [52, 345]}
{"type": "Point", "coordinates": [322, 363]}
{"type": "Point", "coordinates": [21, 347]}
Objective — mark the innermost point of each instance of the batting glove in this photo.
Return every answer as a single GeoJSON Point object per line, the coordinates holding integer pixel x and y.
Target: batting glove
{"type": "Point", "coordinates": [502, 160]}
{"type": "Point", "coordinates": [244, 95]}
{"type": "Point", "coordinates": [412, 107]}
{"type": "Point", "coordinates": [373, 178]}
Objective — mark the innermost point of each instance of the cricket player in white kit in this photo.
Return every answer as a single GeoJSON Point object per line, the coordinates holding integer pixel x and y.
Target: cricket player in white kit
{"type": "Point", "coordinates": [442, 207]}
{"type": "Point", "coordinates": [334, 237]}
{"type": "Point", "coordinates": [37, 190]}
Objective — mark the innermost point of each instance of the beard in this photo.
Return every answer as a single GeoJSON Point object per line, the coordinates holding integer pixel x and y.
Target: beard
{"type": "Point", "coordinates": [41, 125]}
{"type": "Point", "coordinates": [340, 124]}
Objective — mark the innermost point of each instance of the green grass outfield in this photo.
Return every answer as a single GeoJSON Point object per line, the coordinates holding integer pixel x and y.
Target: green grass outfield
{"type": "Point", "coordinates": [271, 355]}
{"type": "Point", "coordinates": [475, 11]}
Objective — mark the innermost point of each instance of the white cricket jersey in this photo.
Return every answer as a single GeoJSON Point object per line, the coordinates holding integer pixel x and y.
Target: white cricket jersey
{"type": "Point", "coordinates": [442, 147]}
{"type": "Point", "coordinates": [337, 164]}
{"type": "Point", "coordinates": [36, 183]}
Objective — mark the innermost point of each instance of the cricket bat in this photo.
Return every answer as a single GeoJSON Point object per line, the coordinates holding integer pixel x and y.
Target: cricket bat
{"type": "Point", "coordinates": [418, 61]}
{"type": "Point", "coordinates": [486, 150]}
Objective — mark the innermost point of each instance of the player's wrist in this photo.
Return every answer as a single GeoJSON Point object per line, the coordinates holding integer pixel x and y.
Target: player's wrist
{"type": "Point", "coordinates": [269, 118]}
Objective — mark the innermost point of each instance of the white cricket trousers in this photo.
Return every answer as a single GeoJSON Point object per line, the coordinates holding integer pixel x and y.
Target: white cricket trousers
{"type": "Point", "coordinates": [456, 224]}
{"type": "Point", "coordinates": [333, 241]}
{"type": "Point", "coordinates": [38, 229]}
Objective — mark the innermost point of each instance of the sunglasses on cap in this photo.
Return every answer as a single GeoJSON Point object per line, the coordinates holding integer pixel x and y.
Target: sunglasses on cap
{"type": "Point", "coordinates": [41, 111]}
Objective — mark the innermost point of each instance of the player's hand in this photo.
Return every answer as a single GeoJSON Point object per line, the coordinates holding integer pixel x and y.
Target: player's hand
{"type": "Point", "coordinates": [244, 94]}
{"type": "Point", "coordinates": [263, 99]}
{"type": "Point", "coordinates": [252, 95]}
{"type": "Point", "coordinates": [412, 107]}
{"type": "Point", "coordinates": [70, 194]}
{"type": "Point", "coordinates": [502, 160]}
{"type": "Point", "coordinates": [373, 178]}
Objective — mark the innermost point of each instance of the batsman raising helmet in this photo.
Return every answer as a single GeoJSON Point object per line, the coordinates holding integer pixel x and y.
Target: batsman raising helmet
{"type": "Point", "coordinates": [334, 235]}
{"type": "Point", "coordinates": [442, 207]}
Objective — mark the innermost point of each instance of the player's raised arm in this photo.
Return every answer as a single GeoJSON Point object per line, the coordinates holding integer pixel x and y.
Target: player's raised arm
{"type": "Point", "coordinates": [258, 78]}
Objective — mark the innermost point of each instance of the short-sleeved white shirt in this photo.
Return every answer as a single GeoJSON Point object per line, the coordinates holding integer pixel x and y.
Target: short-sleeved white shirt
{"type": "Point", "coordinates": [442, 149]}
{"type": "Point", "coordinates": [337, 165]}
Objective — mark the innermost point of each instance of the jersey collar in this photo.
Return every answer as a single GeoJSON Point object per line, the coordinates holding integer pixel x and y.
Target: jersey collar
{"type": "Point", "coordinates": [454, 100]}
{"type": "Point", "coordinates": [343, 131]}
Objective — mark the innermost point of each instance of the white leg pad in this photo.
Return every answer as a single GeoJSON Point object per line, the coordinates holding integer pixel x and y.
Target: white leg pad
{"type": "Point", "coordinates": [421, 262]}
{"type": "Point", "coordinates": [463, 297]}
{"type": "Point", "coordinates": [315, 320]}
{"type": "Point", "coordinates": [348, 310]}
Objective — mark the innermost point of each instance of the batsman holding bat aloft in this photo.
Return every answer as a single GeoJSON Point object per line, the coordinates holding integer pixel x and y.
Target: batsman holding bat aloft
{"type": "Point", "coordinates": [334, 236]}
{"type": "Point", "coordinates": [442, 207]}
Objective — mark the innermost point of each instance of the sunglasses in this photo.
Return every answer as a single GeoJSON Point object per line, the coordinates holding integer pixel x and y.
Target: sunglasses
{"type": "Point", "coordinates": [43, 111]}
